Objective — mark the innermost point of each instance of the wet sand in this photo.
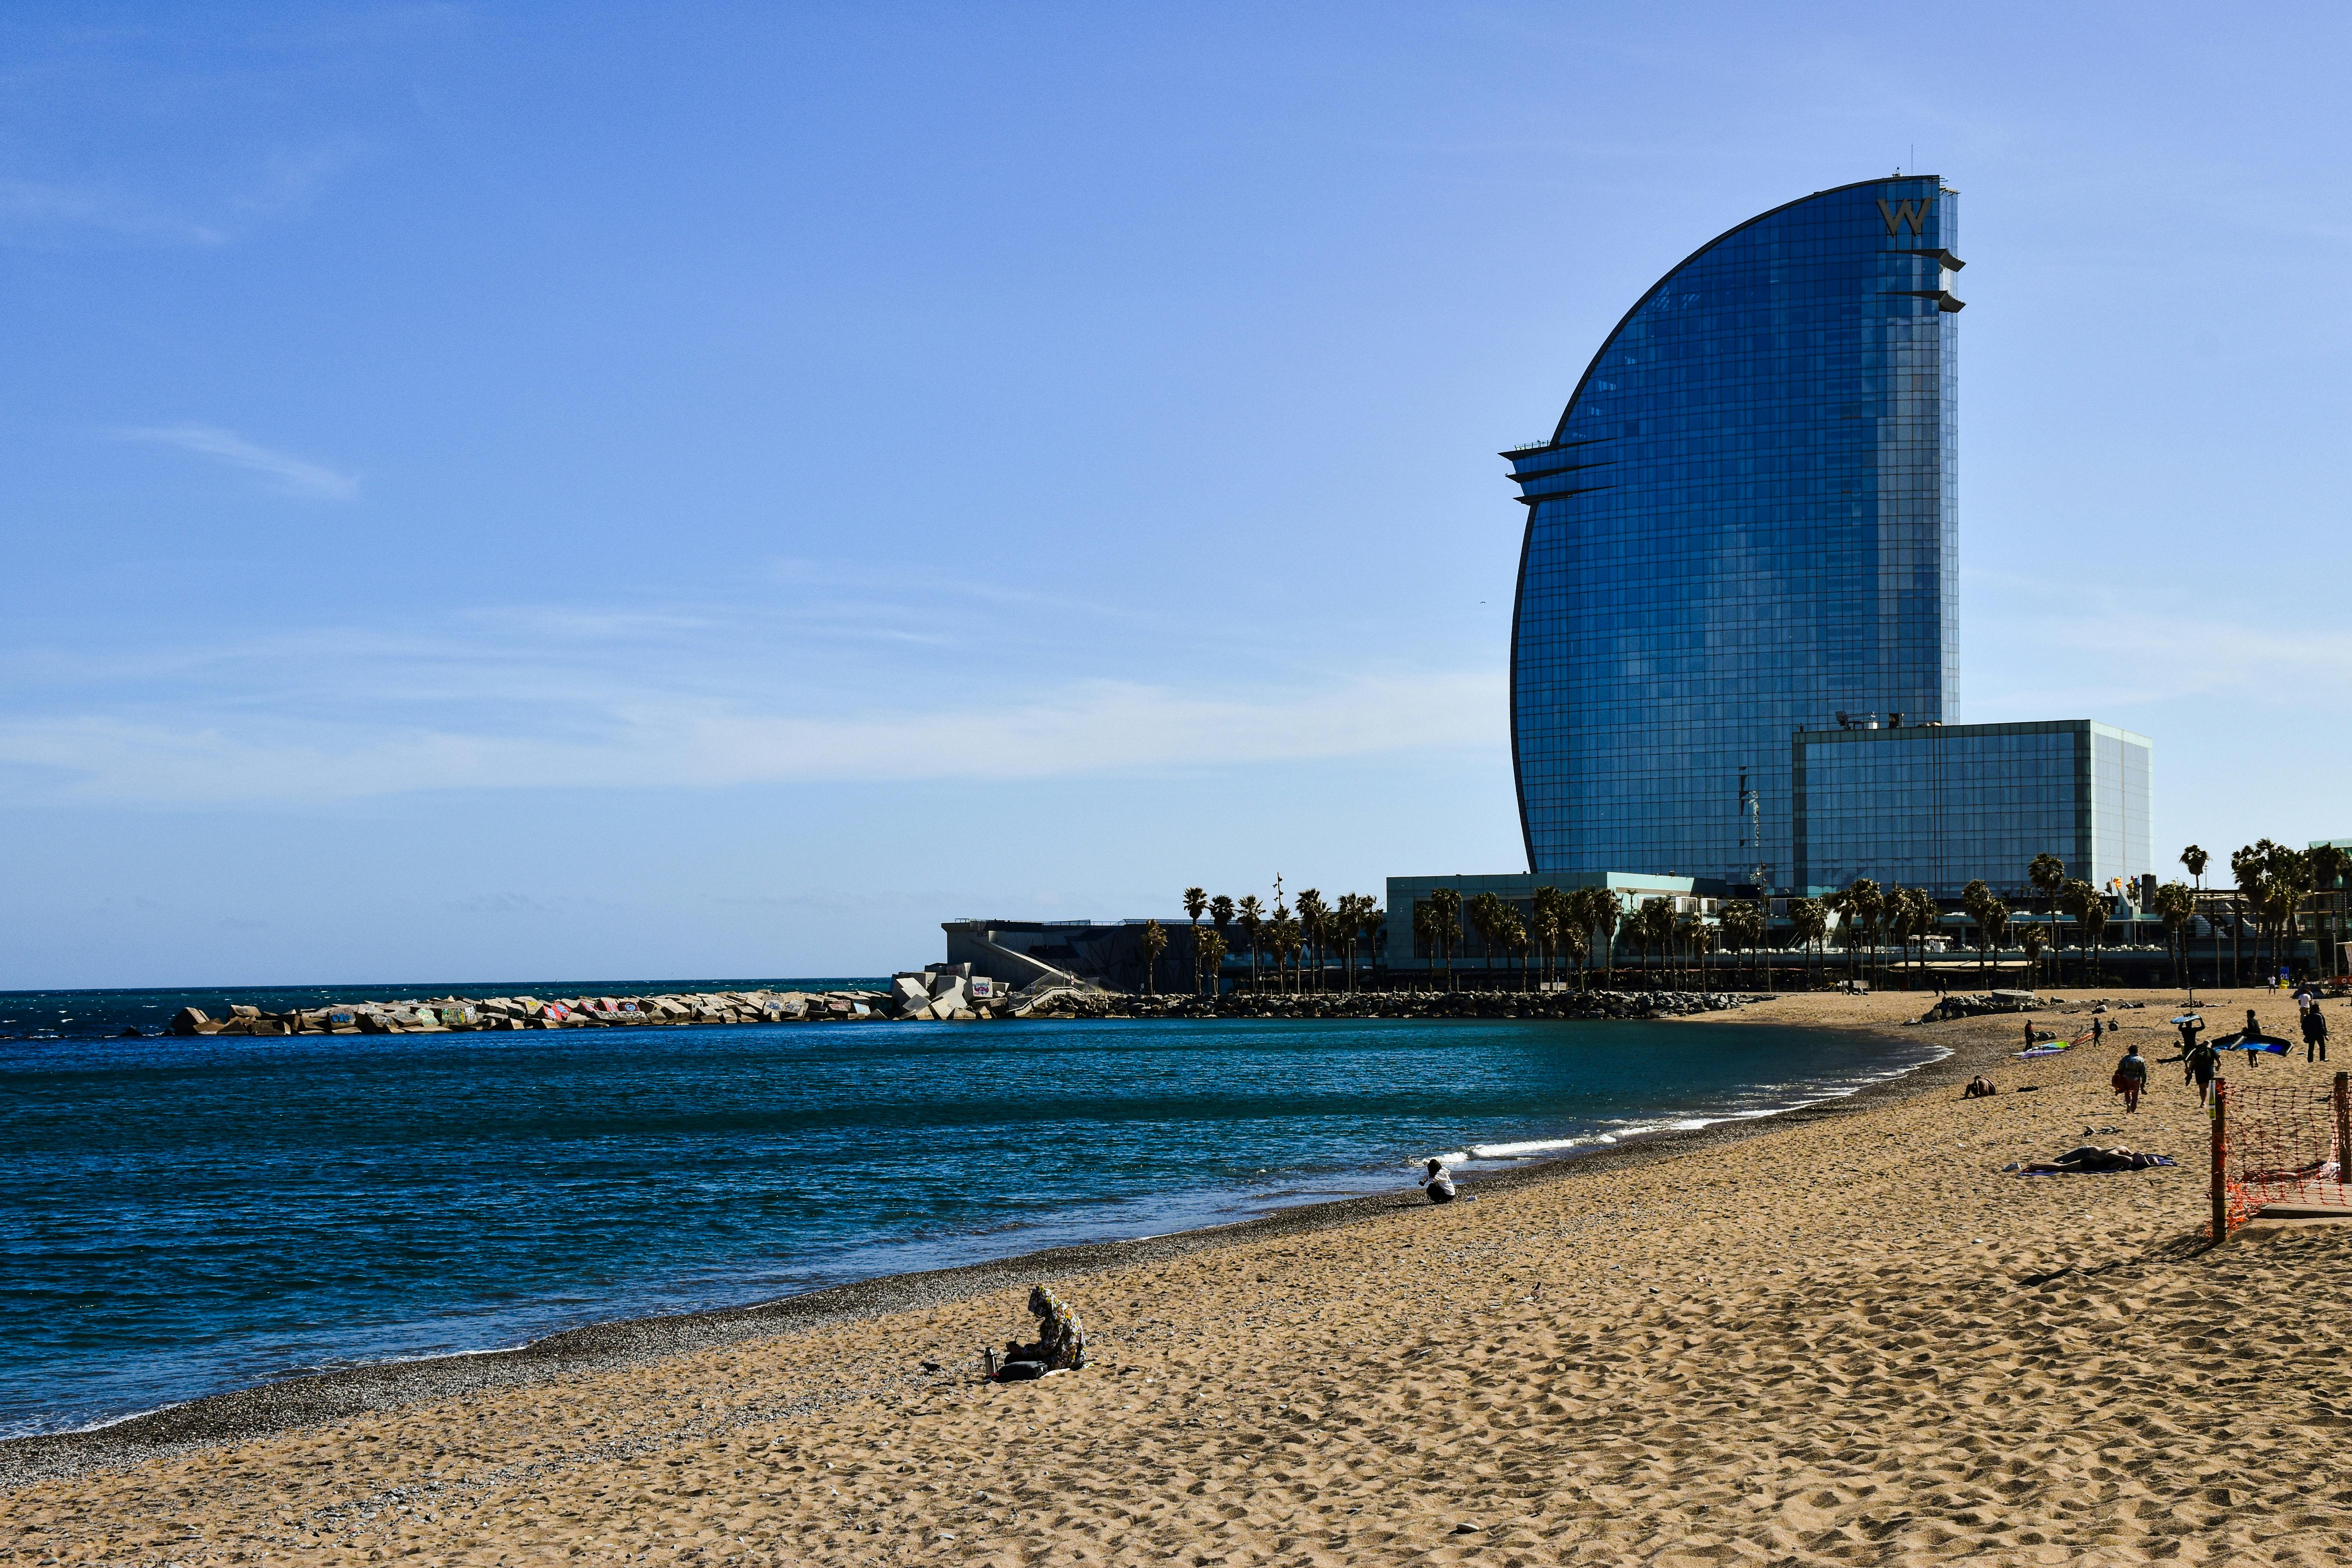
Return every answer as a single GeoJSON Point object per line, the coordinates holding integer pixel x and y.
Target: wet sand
{"type": "Point", "coordinates": [1842, 1335]}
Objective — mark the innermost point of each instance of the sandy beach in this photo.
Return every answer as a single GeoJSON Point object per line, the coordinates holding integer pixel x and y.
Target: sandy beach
{"type": "Point", "coordinates": [1843, 1336]}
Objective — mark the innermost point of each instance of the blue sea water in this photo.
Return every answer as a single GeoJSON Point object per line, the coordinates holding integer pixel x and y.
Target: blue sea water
{"type": "Point", "coordinates": [188, 1215]}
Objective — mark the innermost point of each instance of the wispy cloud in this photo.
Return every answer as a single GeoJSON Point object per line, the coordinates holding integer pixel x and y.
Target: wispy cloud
{"type": "Point", "coordinates": [1093, 728]}
{"type": "Point", "coordinates": [287, 474]}
{"type": "Point", "coordinates": [39, 213]}
{"type": "Point", "coordinates": [2075, 649]}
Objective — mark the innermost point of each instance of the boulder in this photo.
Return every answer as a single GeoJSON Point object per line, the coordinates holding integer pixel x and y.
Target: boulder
{"type": "Point", "coordinates": [190, 1020]}
{"type": "Point", "coordinates": [949, 997]}
{"type": "Point", "coordinates": [908, 993]}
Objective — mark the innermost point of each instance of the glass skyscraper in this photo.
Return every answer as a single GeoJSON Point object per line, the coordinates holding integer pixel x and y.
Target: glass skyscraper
{"type": "Point", "coordinates": [1745, 524]}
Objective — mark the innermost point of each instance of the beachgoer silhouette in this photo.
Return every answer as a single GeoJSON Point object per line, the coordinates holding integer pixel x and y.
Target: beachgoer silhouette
{"type": "Point", "coordinates": [2131, 1076]}
{"type": "Point", "coordinates": [1438, 1183]}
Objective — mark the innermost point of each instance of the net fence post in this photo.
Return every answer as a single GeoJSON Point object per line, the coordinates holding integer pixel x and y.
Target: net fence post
{"type": "Point", "coordinates": [2343, 1097]}
{"type": "Point", "coordinates": [2220, 1181]}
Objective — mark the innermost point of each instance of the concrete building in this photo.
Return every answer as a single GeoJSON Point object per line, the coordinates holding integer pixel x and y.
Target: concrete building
{"type": "Point", "coordinates": [1934, 806]}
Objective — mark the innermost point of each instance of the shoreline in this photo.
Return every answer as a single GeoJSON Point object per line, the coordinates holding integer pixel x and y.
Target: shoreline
{"type": "Point", "coordinates": [308, 1400]}
{"type": "Point", "coordinates": [1849, 1333]}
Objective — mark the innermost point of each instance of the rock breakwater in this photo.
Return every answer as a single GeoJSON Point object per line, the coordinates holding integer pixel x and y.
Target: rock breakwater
{"type": "Point", "coordinates": [909, 1002]}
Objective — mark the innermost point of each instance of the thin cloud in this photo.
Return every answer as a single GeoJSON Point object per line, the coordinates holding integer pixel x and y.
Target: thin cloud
{"type": "Point", "coordinates": [39, 215]}
{"type": "Point", "coordinates": [1095, 728]}
{"type": "Point", "coordinates": [287, 474]}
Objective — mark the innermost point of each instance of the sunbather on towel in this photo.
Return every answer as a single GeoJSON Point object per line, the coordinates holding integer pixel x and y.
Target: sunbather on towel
{"type": "Point", "coordinates": [2089, 1157]}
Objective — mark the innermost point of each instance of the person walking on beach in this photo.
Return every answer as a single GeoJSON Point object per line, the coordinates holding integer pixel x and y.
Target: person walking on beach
{"type": "Point", "coordinates": [2314, 1033]}
{"type": "Point", "coordinates": [2189, 1028]}
{"type": "Point", "coordinates": [2131, 1076]}
{"type": "Point", "coordinates": [1438, 1183]}
{"type": "Point", "coordinates": [2250, 1038]}
{"type": "Point", "coordinates": [2202, 1060]}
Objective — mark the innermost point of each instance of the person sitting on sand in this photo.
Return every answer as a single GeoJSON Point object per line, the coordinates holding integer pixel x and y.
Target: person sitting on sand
{"type": "Point", "coordinates": [1061, 1342]}
{"type": "Point", "coordinates": [1438, 1183]}
{"type": "Point", "coordinates": [1979, 1087]}
{"type": "Point", "coordinates": [2131, 1076]}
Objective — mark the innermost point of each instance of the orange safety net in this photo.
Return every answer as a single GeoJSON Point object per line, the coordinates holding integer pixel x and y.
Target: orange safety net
{"type": "Point", "coordinates": [2282, 1145]}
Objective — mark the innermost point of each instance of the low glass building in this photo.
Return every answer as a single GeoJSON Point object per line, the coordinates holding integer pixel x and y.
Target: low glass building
{"type": "Point", "coordinates": [1745, 521]}
{"type": "Point", "coordinates": [1936, 807]}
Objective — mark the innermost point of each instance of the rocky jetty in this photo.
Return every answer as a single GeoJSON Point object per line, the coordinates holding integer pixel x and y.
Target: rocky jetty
{"type": "Point", "coordinates": [1389, 1004]}
{"type": "Point", "coordinates": [444, 1014]}
{"type": "Point", "coordinates": [944, 997]}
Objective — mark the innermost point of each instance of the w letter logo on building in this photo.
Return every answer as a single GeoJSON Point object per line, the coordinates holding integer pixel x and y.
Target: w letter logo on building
{"type": "Point", "coordinates": [1913, 213]}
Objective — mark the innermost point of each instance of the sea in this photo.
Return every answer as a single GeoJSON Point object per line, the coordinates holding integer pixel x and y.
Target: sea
{"type": "Point", "coordinates": [185, 1216]}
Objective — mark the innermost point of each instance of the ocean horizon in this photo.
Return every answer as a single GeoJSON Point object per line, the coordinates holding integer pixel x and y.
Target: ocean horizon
{"type": "Point", "coordinates": [194, 1216]}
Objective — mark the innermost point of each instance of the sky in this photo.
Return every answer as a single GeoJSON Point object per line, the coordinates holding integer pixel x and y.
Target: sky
{"type": "Point", "coordinates": [500, 491]}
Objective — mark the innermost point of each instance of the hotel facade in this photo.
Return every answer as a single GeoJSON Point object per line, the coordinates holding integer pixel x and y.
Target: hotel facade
{"type": "Point", "coordinates": [1734, 652]}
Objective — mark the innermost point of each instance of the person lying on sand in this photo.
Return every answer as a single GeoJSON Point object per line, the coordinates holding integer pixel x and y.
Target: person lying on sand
{"type": "Point", "coordinates": [1979, 1087]}
{"type": "Point", "coordinates": [2090, 1157]}
{"type": "Point", "coordinates": [1439, 1182]}
{"type": "Point", "coordinates": [1061, 1342]}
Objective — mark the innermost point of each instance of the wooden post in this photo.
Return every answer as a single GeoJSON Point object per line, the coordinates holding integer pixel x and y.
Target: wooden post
{"type": "Point", "coordinates": [2221, 1185]}
{"type": "Point", "coordinates": [2343, 1128]}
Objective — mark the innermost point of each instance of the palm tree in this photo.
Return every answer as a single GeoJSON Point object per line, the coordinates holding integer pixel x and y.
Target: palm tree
{"type": "Point", "coordinates": [2327, 863]}
{"type": "Point", "coordinates": [2087, 906]}
{"type": "Point", "coordinates": [2287, 875]}
{"type": "Point", "coordinates": [1973, 900]}
{"type": "Point", "coordinates": [1809, 922]}
{"type": "Point", "coordinates": [1424, 930]}
{"type": "Point", "coordinates": [1554, 912]}
{"type": "Point", "coordinates": [2194, 860]}
{"type": "Point", "coordinates": [1869, 906]}
{"type": "Point", "coordinates": [1695, 936]}
{"type": "Point", "coordinates": [1657, 919]}
{"type": "Point", "coordinates": [1839, 902]}
{"type": "Point", "coordinates": [1605, 916]}
{"type": "Point", "coordinates": [1374, 921]}
{"type": "Point", "coordinates": [1289, 948]}
{"type": "Point", "coordinates": [1447, 901]}
{"type": "Point", "coordinates": [2048, 875]}
{"type": "Point", "coordinates": [1196, 902]}
{"type": "Point", "coordinates": [1213, 958]}
{"type": "Point", "coordinates": [2177, 906]}
{"type": "Point", "coordinates": [2247, 865]}
{"type": "Point", "coordinates": [1155, 942]}
{"type": "Point", "coordinates": [1511, 933]}
{"type": "Point", "coordinates": [1251, 915]}
{"type": "Point", "coordinates": [1992, 930]}
{"type": "Point", "coordinates": [1343, 936]}
{"type": "Point", "coordinates": [1485, 912]}
{"type": "Point", "coordinates": [1743, 926]}
{"type": "Point", "coordinates": [1312, 912]}
{"type": "Point", "coordinates": [2030, 938]}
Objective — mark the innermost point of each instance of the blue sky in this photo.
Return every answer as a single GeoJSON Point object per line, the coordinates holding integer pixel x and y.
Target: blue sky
{"type": "Point", "coordinates": [499, 491]}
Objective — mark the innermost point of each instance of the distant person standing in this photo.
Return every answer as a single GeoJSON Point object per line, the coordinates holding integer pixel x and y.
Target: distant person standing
{"type": "Point", "coordinates": [2314, 1033]}
{"type": "Point", "coordinates": [2190, 1028]}
{"type": "Point", "coordinates": [2250, 1038]}
{"type": "Point", "coordinates": [2131, 1077]}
